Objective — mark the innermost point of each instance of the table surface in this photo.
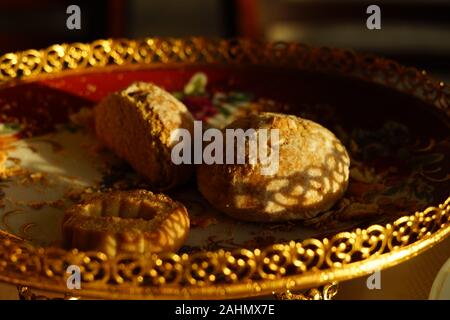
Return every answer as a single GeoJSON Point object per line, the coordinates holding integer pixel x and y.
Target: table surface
{"type": "Point", "coordinates": [410, 280]}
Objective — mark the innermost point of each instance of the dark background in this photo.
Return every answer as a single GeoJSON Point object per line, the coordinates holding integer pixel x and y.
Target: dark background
{"type": "Point", "coordinates": [414, 32]}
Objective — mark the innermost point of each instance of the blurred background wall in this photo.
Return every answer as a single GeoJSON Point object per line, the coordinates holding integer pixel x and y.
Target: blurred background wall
{"type": "Point", "coordinates": [415, 32]}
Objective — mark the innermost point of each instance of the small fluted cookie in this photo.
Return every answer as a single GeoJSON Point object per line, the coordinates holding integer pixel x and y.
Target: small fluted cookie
{"type": "Point", "coordinates": [126, 221]}
{"type": "Point", "coordinates": [310, 176]}
{"type": "Point", "coordinates": [136, 124]}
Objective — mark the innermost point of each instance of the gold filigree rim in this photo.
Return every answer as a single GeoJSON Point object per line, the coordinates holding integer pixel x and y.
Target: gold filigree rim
{"type": "Point", "coordinates": [242, 272]}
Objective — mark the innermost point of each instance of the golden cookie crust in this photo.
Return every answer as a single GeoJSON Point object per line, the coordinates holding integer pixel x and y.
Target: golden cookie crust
{"type": "Point", "coordinates": [126, 221]}
{"type": "Point", "coordinates": [312, 175]}
{"type": "Point", "coordinates": [136, 124]}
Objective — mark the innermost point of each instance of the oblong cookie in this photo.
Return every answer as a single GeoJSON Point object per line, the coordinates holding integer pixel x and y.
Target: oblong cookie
{"type": "Point", "coordinates": [136, 124]}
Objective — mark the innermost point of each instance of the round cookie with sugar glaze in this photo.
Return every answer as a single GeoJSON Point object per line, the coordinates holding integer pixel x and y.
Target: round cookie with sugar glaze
{"type": "Point", "coordinates": [312, 173]}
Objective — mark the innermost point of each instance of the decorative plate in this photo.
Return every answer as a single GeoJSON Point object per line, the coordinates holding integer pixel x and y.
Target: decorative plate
{"type": "Point", "coordinates": [393, 120]}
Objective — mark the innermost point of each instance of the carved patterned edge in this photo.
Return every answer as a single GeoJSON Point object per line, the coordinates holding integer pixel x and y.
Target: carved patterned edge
{"type": "Point", "coordinates": [155, 51]}
{"type": "Point", "coordinates": [26, 293]}
{"type": "Point", "coordinates": [326, 292]}
{"type": "Point", "coordinates": [229, 274]}
{"type": "Point", "coordinates": [241, 272]}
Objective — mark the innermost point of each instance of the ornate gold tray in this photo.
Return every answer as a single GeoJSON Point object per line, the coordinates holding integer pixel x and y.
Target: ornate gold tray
{"type": "Point", "coordinates": [393, 119]}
